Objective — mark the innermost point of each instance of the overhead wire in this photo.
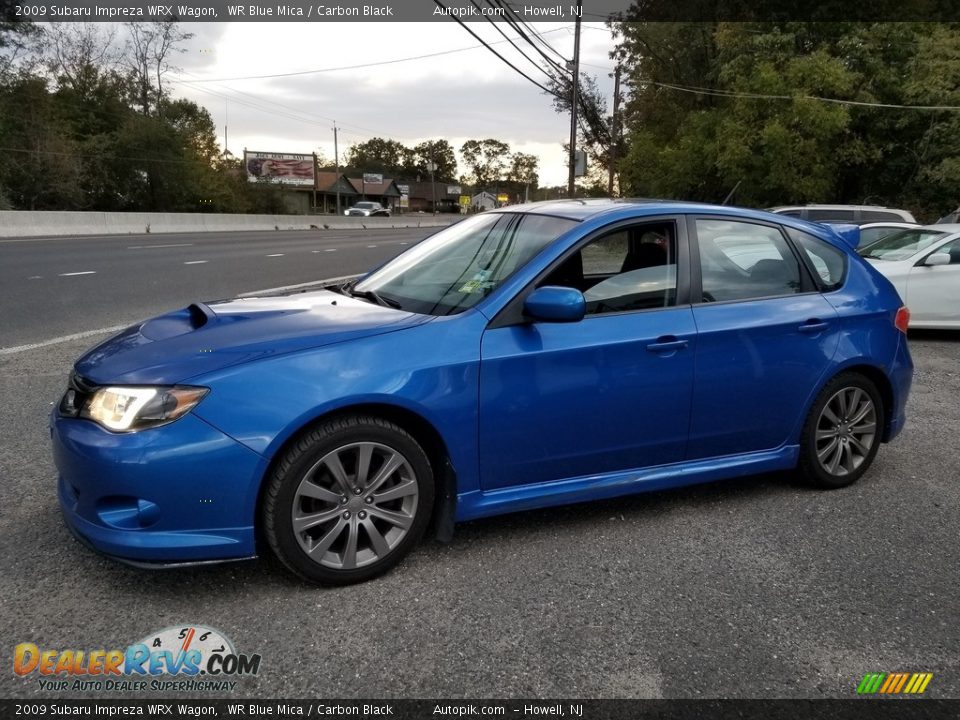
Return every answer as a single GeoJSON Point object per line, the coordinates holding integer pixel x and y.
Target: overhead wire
{"type": "Point", "coordinates": [487, 45]}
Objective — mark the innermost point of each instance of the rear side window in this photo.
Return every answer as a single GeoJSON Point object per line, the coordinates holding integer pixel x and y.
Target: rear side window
{"type": "Point", "coordinates": [832, 215]}
{"type": "Point", "coordinates": [880, 216]}
{"type": "Point", "coordinates": [741, 261]}
{"type": "Point", "coordinates": [829, 263]}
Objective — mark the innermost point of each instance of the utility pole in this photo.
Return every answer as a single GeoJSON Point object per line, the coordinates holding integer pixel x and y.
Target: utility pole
{"type": "Point", "coordinates": [432, 166]}
{"type": "Point", "coordinates": [336, 163]}
{"type": "Point", "coordinates": [574, 99]}
{"type": "Point", "coordinates": [614, 130]}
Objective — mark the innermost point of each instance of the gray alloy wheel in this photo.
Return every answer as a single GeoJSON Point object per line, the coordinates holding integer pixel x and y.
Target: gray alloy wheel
{"type": "Point", "coordinates": [347, 499]}
{"type": "Point", "coordinates": [842, 432]}
{"type": "Point", "coordinates": [355, 505]}
{"type": "Point", "coordinates": [846, 431]}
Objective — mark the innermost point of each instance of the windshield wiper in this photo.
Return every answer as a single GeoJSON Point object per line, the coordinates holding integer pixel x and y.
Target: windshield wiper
{"type": "Point", "coordinates": [373, 297]}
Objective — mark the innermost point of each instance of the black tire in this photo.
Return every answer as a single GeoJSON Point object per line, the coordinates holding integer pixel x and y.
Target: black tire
{"type": "Point", "coordinates": [328, 459]}
{"type": "Point", "coordinates": [827, 464]}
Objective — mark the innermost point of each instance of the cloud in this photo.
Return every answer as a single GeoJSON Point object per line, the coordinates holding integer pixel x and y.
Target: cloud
{"type": "Point", "coordinates": [459, 94]}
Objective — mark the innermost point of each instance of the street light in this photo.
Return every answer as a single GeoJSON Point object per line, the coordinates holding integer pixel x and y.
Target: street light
{"type": "Point", "coordinates": [431, 166]}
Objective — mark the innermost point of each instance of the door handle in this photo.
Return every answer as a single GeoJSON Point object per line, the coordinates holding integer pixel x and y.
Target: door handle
{"type": "Point", "coordinates": [813, 326]}
{"type": "Point", "coordinates": [666, 344]}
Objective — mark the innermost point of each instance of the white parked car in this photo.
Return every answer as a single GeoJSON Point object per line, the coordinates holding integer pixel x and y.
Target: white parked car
{"type": "Point", "coordinates": [871, 232]}
{"type": "Point", "coordinates": [365, 208]}
{"type": "Point", "coordinates": [924, 265]}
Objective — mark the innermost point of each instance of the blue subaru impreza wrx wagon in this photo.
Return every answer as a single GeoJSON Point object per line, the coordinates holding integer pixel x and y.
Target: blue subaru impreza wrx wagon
{"type": "Point", "coordinates": [532, 356]}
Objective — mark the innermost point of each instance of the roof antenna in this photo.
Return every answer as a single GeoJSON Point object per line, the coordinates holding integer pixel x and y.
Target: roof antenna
{"type": "Point", "coordinates": [729, 196]}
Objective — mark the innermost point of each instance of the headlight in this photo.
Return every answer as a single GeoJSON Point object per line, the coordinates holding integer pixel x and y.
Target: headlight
{"type": "Point", "coordinates": [136, 408]}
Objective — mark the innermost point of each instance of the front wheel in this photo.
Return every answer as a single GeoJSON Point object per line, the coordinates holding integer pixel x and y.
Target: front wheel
{"type": "Point", "coordinates": [842, 432]}
{"type": "Point", "coordinates": [348, 501]}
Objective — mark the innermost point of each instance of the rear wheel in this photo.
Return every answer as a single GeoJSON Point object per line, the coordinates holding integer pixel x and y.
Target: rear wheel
{"type": "Point", "coordinates": [842, 433]}
{"type": "Point", "coordinates": [348, 501]}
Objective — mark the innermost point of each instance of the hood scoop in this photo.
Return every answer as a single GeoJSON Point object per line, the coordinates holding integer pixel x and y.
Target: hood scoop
{"type": "Point", "coordinates": [176, 323]}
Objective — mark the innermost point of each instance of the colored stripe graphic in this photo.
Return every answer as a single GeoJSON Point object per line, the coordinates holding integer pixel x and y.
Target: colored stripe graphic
{"type": "Point", "coordinates": [894, 683]}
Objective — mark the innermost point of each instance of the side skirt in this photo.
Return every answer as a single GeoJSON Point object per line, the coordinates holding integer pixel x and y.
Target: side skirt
{"type": "Point", "coordinates": [478, 504]}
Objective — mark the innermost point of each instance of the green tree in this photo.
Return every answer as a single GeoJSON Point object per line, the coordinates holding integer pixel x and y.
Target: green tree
{"type": "Point", "coordinates": [487, 161]}
{"type": "Point", "coordinates": [523, 173]}
{"type": "Point", "coordinates": [438, 151]}
{"type": "Point", "coordinates": [378, 155]}
{"type": "Point", "coordinates": [793, 112]}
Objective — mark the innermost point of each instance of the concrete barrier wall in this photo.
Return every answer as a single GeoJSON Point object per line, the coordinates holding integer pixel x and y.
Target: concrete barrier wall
{"type": "Point", "coordinates": [16, 223]}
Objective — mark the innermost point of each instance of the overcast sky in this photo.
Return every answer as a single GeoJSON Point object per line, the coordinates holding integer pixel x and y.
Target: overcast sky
{"type": "Point", "coordinates": [455, 96]}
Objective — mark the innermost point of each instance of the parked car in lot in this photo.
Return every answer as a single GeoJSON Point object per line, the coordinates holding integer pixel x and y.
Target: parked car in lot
{"type": "Point", "coordinates": [857, 214]}
{"type": "Point", "coordinates": [924, 266]}
{"type": "Point", "coordinates": [538, 355]}
{"type": "Point", "coordinates": [871, 232]}
{"type": "Point", "coordinates": [366, 208]}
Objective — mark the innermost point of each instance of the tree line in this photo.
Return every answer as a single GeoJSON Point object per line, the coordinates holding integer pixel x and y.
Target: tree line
{"type": "Point", "coordinates": [787, 113]}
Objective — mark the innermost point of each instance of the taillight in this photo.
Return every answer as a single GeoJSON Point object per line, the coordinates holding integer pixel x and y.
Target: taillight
{"type": "Point", "coordinates": [902, 320]}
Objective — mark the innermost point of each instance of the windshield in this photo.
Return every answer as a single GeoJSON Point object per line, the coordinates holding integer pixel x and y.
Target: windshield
{"type": "Point", "coordinates": [901, 245]}
{"type": "Point", "coordinates": [456, 268]}
{"type": "Point", "coordinates": [366, 205]}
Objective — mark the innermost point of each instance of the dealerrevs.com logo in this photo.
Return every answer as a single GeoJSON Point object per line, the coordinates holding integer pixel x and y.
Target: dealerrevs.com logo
{"type": "Point", "coordinates": [189, 658]}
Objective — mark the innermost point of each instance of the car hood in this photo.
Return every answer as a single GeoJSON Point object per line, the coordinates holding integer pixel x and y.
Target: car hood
{"type": "Point", "coordinates": [202, 338]}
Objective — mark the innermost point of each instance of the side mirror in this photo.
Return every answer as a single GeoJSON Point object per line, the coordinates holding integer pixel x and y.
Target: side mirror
{"type": "Point", "coordinates": [555, 304]}
{"type": "Point", "coordinates": [938, 259]}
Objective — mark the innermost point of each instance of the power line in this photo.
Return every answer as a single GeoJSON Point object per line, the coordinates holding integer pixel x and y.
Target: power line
{"type": "Point", "coordinates": [364, 65]}
{"type": "Point", "coordinates": [519, 30]}
{"type": "Point", "coordinates": [515, 47]}
{"type": "Point", "coordinates": [760, 96]}
{"type": "Point", "coordinates": [272, 103]}
{"type": "Point", "coordinates": [487, 45]}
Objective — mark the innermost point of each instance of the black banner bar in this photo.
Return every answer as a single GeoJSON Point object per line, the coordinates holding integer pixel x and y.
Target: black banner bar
{"type": "Point", "coordinates": [854, 709]}
{"type": "Point", "coordinates": [467, 11]}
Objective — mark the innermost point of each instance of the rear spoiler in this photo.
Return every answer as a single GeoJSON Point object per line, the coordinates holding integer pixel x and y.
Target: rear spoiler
{"type": "Point", "coordinates": [850, 234]}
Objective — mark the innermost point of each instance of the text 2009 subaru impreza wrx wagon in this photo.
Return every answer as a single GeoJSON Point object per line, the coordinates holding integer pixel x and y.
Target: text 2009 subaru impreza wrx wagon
{"type": "Point", "coordinates": [548, 354]}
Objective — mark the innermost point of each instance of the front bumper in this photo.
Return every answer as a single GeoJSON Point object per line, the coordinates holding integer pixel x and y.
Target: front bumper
{"type": "Point", "coordinates": [180, 493]}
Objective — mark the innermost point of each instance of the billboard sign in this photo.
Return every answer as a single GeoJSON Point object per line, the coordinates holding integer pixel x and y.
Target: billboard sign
{"type": "Point", "coordinates": [404, 189]}
{"type": "Point", "coordinates": [453, 190]}
{"type": "Point", "coordinates": [281, 168]}
{"type": "Point", "coordinates": [503, 197]}
{"type": "Point", "coordinates": [372, 179]}
{"type": "Point", "coordinates": [465, 200]}
{"type": "Point", "coordinates": [404, 201]}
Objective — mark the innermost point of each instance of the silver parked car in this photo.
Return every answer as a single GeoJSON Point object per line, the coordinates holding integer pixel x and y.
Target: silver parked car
{"type": "Point", "coordinates": [857, 214]}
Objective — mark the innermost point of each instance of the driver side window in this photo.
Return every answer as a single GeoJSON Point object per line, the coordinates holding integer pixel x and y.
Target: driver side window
{"type": "Point", "coordinates": [633, 268]}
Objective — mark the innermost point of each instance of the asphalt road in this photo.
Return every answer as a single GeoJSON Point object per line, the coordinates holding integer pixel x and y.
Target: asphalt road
{"type": "Point", "coordinates": [61, 286]}
{"type": "Point", "coordinates": [757, 587]}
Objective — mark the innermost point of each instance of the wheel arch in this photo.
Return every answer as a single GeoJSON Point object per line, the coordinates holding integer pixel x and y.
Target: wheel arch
{"type": "Point", "coordinates": [422, 430]}
{"type": "Point", "coordinates": [875, 375]}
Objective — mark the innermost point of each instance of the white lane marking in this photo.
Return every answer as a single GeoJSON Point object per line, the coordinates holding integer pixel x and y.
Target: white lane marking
{"type": "Point", "coordinates": [404, 243]}
{"type": "Point", "coordinates": [61, 339]}
{"type": "Point", "coordinates": [35, 277]}
{"type": "Point", "coordinates": [85, 272]}
{"type": "Point", "coordinates": [370, 246]}
{"type": "Point", "coordinates": [195, 262]}
{"type": "Point", "coordinates": [145, 247]}
{"type": "Point", "coordinates": [326, 281]}
{"type": "Point", "coordinates": [330, 250]}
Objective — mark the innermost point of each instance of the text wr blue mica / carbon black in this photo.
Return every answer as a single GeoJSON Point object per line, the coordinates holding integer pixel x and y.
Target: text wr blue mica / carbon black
{"type": "Point", "coordinates": [537, 355]}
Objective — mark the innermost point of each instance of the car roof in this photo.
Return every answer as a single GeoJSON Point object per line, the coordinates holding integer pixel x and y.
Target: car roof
{"type": "Point", "coordinates": [592, 208]}
{"type": "Point", "coordinates": [945, 227]}
{"type": "Point", "coordinates": [589, 208]}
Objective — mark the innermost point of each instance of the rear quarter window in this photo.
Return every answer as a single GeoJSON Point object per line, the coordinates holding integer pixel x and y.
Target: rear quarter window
{"type": "Point", "coordinates": [829, 264]}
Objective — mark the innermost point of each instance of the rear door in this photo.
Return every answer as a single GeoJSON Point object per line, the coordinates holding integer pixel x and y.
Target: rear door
{"type": "Point", "coordinates": [765, 336]}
